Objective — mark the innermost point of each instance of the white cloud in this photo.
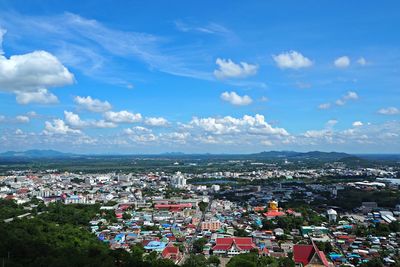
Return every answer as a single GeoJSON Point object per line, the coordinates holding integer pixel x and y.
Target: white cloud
{"type": "Point", "coordinates": [342, 62]}
{"type": "Point", "coordinates": [229, 69]}
{"type": "Point", "coordinates": [154, 121]}
{"type": "Point", "coordinates": [350, 95]}
{"type": "Point", "coordinates": [137, 130]}
{"type": "Point", "coordinates": [325, 134]}
{"type": "Point", "coordinates": [331, 123]}
{"type": "Point", "coordinates": [91, 104]}
{"type": "Point", "coordinates": [362, 61]}
{"type": "Point", "coordinates": [357, 124]}
{"type": "Point", "coordinates": [389, 111]}
{"type": "Point", "coordinates": [58, 126]}
{"type": "Point", "coordinates": [19, 132]}
{"type": "Point", "coordinates": [41, 96]}
{"type": "Point", "coordinates": [235, 99]}
{"type": "Point", "coordinates": [254, 125]}
{"type": "Point", "coordinates": [263, 99]}
{"type": "Point", "coordinates": [74, 120]}
{"type": "Point", "coordinates": [374, 135]}
{"type": "Point", "coordinates": [92, 47]}
{"type": "Point", "coordinates": [2, 33]}
{"type": "Point", "coordinates": [292, 60]}
{"type": "Point", "coordinates": [122, 116]}
{"type": "Point", "coordinates": [318, 133]}
{"type": "Point", "coordinates": [102, 124]}
{"type": "Point", "coordinates": [29, 75]}
{"type": "Point", "coordinates": [32, 114]}
{"type": "Point", "coordinates": [325, 106]}
{"type": "Point", "coordinates": [140, 134]}
{"type": "Point", "coordinates": [210, 28]}
{"type": "Point", "coordinates": [22, 119]}
{"type": "Point", "coordinates": [266, 143]}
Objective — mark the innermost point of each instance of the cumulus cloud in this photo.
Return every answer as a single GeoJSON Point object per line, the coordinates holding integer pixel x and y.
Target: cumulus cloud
{"type": "Point", "coordinates": [91, 104]}
{"type": "Point", "coordinates": [102, 124]}
{"type": "Point", "coordinates": [59, 127]}
{"type": "Point", "coordinates": [30, 75]}
{"type": "Point", "coordinates": [378, 135]}
{"type": "Point", "coordinates": [266, 143]}
{"type": "Point", "coordinates": [362, 61]}
{"type": "Point", "coordinates": [389, 111]}
{"type": "Point", "coordinates": [324, 106]}
{"type": "Point", "coordinates": [22, 119]}
{"type": "Point", "coordinates": [32, 114]}
{"type": "Point", "coordinates": [342, 62]}
{"type": "Point", "coordinates": [357, 124]}
{"type": "Point", "coordinates": [325, 133]}
{"type": "Point", "coordinates": [122, 116]}
{"type": "Point", "coordinates": [292, 60]}
{"type": "Point", "coordinates": [229, 69]}
{"type": "Point", "coordinates": [75, 121]}
{"type": "Point", "coordinates": [235, 99]}
{"type": "Point", "coordinates": [255, 125]}
{"type": "Point", "coordinates": [137, 130]}
{"type": "Point", "coordinates": [139, 134]}
{"type": "Point", "coordinates": [350, 95]}
{"type": "Point", "coordinates": [41, 96]}
{"type": "Point", "coordinates": [2, 33]}
{"type": "Point", "coordinates": [156, 121]}
{"type": "Point", "coordinates": [331, 123]}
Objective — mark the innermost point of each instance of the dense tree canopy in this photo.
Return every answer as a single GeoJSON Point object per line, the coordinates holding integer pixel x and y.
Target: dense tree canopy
{"type": "Point", "coordinates": [60, 238]}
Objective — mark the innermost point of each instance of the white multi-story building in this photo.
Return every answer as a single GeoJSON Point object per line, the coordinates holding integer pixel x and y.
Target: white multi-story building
{"type": "Point", "coordinates": [178, 180]}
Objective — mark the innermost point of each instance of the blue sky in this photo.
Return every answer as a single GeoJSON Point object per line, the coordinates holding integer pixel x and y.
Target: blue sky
{"type": "Point", "coordinates": [158, 76]}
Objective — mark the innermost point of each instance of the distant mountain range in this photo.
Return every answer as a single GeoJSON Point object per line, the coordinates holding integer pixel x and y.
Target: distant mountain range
{"type": "Point", "coordinates": [302, 155]}
{"type": "Point", "coordinates": [35, 153]}
{"type": "Point", "coordinates": [289, 155]}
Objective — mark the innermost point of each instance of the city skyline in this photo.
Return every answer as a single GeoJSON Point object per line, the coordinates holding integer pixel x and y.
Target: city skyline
{"type": "Point", "coordinates": [217, 78]}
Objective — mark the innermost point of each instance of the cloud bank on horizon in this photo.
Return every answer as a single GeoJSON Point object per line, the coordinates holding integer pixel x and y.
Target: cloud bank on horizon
{"type": "Point", "coordinates": [197, 82]}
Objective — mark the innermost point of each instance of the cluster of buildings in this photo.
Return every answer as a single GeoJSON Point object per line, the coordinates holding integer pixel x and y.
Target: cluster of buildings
{"type": "Point", "coordinates": [169, 215]}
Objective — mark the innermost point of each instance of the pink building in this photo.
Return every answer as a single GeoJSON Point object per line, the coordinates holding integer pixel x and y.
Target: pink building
{"type": "Point", "coordinates": [211, 225]}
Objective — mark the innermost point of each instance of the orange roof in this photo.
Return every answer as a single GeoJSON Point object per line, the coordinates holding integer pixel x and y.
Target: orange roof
{"type": "Point", "coordinates": [274, 213]}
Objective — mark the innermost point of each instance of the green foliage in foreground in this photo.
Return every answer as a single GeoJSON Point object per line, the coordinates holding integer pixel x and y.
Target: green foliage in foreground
{"type": "Point", "coordinates": [60, 238]}
{"type": "Point", "coordinates": [10, 209]}
{"type": "Point", "coordinates": [253, 260]}
{"type": "Point", "coordinates": [36, 242]}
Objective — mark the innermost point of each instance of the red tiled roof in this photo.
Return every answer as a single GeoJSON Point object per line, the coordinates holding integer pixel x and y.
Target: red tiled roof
{"type": "Point", "coordinates": [168, 250]}
{"type": "Point", "coordinates": [323, 258]}
{"type": "Point", "coordinates": [274, 213]}
{"type": "Point", "coordinates": [173, 206]}
{"type": "Point", "coordinates": [242, 243]}
{"type": "Point", "coordinates": [303, 254]}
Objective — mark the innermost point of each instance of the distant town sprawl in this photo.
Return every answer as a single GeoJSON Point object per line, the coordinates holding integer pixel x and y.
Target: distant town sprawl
{"type": "Point", "coordinates": [268, 215]}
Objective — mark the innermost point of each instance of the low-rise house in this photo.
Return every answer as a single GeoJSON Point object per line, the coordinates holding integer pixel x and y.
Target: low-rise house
{"type": "Point", "coordinates": [309, 256]}
{"type": "Point", "coordinates": [172, 253]}
{"type": "Point", "coordinates": [231, 246]}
